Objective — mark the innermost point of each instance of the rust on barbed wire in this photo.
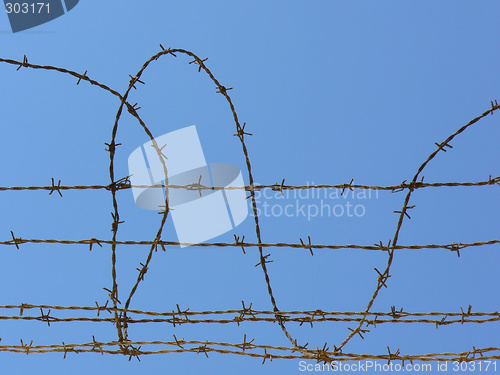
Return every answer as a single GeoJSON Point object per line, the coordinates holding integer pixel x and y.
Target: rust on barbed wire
{"type": "Point", "coordinates": [240, 243]}
{"type": "Point", "coordinates": [125, 184]}
{"type": "Point", "coordinates": [118, 312]}
{"type": "Point", "coordinates": [246, 315]}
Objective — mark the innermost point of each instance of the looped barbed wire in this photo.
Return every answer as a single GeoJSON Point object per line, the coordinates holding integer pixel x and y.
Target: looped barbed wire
{"type": "Point", "coordinates": [122, 317]}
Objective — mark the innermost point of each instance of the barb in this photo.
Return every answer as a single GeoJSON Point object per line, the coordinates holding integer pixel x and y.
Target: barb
{"type": "Point", "coordinates": [56, 188]}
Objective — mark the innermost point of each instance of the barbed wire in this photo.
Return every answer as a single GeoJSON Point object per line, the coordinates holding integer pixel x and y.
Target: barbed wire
{"type": "Point", "coordinates": [121, 318]}
{"type": "Point", "coordinates": [455, 247]}
{"type": "Point", "coordinates": [384, 276]}
{"type": "Point", "coordinates": [185, 316]}
{"type": "Point", "coordinates": [125, 184]}
{"type": "Point", "coordinates": [247, 348]}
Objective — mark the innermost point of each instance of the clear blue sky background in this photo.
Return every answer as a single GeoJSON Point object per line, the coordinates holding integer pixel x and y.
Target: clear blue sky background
{"type": "Point", "coordinates": [331, 91]}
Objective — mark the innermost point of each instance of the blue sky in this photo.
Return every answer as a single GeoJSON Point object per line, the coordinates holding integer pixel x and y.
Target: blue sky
{"type": "Point", "coordinates": [331, 92]}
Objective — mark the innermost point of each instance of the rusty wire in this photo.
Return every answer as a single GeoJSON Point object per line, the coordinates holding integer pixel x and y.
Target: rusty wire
{"type": "Point", "coordinates": [384, 276]}
{"type": "Point", "coordinates": [122, 317]}
{"type": "Point", "coordinates": [134, 349]}
{"type": "Point", "coordinates": [125, 184]}
{"type": "Point", "coordinates": [178, 317]}
{"type": "Point", "coordinates": [16, 241]}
